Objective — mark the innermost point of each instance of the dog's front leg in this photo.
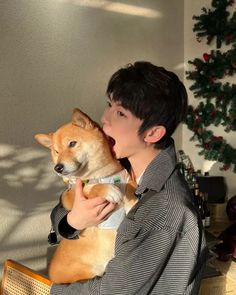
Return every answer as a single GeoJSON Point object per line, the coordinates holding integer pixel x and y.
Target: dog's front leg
{"type": "Point", "coordinates": [67, 198]}
{"type": "Point", "coordinates": [110, 192]}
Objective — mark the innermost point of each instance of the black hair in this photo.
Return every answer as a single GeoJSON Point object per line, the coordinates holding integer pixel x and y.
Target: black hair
{"type": "Point", "coordinates": [152, 94]}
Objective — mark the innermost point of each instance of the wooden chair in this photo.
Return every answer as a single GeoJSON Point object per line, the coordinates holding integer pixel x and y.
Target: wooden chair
{"type": "Point", "coordinates": [20, 280]}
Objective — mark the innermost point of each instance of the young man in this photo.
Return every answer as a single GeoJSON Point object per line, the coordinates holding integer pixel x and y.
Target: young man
{"type": "Point", "coordinates": [160, 247]}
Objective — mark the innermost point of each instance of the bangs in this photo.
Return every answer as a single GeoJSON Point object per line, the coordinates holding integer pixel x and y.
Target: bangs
{"type": "Point", "coordinates": [131, 95]}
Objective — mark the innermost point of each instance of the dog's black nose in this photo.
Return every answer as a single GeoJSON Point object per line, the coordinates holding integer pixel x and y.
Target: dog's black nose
{"type": "Point", "coordinates": [59, 168]}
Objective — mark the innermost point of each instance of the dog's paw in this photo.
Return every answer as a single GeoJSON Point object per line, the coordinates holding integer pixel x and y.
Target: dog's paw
{"type": "Point", "coordinates": [114, 194]}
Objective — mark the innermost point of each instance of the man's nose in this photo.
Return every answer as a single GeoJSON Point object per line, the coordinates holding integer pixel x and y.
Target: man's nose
{"type": "Point", "coordinates": [106, 116]}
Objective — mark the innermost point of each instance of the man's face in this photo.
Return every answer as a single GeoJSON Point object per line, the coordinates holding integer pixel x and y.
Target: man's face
{"type": "Point", "coordinates": [122, 126]}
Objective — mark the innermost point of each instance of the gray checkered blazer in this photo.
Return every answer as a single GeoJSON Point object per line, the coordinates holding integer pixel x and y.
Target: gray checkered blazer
{"type": "Point", "coordinates": [160, 246]}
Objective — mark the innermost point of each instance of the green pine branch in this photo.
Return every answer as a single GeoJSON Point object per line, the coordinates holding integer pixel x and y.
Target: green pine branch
{"type": "Point", "coordinates": [214, 148]}
{"type": "Point", "coordinates": [218, 100]}
{"type": "Point", "coordinates": [216, 23]}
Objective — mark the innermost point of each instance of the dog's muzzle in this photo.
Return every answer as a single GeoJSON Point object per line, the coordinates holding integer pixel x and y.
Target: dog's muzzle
{"type": "Point", "coordinates": [66, 169]}
{"type": "Point", "coordinates": [59, 168]}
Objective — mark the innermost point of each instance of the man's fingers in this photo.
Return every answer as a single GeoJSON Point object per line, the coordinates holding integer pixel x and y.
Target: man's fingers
{"type": "Point", "coordinates": [98, 201]}
{"type": "Point", "coordinates": [80, 195]}
{"type": "Point", "coordinates": [100, 204]}
{"type": "Point", "coordinates": [106, 210]}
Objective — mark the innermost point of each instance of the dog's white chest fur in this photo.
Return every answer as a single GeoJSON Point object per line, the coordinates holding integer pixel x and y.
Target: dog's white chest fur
{"type": "Point", "coordinates": [119, 180]}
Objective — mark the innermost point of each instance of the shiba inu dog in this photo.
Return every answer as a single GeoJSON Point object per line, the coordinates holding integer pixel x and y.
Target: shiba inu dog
{"type": "Point", "coordinates": [80, 149]}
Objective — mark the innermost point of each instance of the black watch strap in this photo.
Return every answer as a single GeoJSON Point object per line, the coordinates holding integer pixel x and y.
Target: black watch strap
{"type": "Point", "coordinates": [66, 230]}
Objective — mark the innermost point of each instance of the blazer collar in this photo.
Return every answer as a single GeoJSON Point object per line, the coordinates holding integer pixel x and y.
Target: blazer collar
{"type": "Point", "coordinates": [158, 171]}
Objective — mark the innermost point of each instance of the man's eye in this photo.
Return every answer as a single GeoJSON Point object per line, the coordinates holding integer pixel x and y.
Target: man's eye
{"type": "Point", "coordinates": [72, 144]}
{"type": "Point", "coordinates": [120, 114]}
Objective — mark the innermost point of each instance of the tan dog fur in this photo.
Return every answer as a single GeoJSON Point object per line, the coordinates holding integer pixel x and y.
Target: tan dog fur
{"type": "Point", "coordinates": [90, 158]}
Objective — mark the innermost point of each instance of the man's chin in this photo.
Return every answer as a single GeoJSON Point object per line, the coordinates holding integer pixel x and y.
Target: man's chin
{"type": "Point", "coordinates": [117, 154]}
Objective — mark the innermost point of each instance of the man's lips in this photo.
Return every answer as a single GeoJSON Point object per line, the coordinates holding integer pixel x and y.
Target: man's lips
{"type": "Point", "coordinates": [111, 141]}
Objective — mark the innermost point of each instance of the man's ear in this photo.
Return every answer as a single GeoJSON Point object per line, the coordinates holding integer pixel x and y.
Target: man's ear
{"type": "Point", "coordinates": [154, 134]}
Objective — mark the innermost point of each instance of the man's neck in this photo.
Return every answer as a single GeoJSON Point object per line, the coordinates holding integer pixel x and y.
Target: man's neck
{"type": "Point", "coordinates": [140, 162]}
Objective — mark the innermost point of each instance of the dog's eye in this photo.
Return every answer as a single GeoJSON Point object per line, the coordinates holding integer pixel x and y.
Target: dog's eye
{"type": "Point", "coordinates": [72, 144]}
{"type": "Point", "coordinates": [56, 151]}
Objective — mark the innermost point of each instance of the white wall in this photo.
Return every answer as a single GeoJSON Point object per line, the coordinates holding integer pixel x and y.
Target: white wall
{"type": "Point", "coordinates": [193, 49]}
{"type": "Point", "coordinates": [56, 55]}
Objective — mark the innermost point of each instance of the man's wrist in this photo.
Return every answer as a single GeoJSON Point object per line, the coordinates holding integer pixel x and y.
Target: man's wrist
{"type": "Point", "coordinates": [66, 230]}
{"type": "Point", "coordinates": [70, 221]}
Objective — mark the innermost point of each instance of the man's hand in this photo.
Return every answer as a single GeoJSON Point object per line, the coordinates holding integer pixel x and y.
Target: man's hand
{"type": "Point", "coordinates": [87, 212]}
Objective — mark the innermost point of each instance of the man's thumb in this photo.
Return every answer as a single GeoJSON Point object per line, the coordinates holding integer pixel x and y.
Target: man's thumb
{"type": "Point", "coordinates": [79, 189]}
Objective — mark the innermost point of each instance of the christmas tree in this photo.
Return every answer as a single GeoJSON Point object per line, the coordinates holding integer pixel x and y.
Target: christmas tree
{"type": "Point", "coordinates": [218, 99]}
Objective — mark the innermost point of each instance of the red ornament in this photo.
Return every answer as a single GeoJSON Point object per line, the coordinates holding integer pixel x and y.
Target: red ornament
{"type": "Point", "coordinates": [206, 146]}
{"type": "Point", "coordinates": [226, 72]}
{"type": "Point", "coordinates": [206, 57]}
{"type": "Point", "coordinates": [212, 79]}
{"type": "Point", "coordinates": [228, 39]}
{"type": "Point", "coordinates": [226, 167]}
{"type": "Point", "coordinates": [197, 121]}
{"type": "Point", "coordinates": [213, 114]}
{"type": "Point", "coordinates": [216, 138]}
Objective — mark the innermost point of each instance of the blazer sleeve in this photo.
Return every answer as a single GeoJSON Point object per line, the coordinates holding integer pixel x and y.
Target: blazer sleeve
{"type": "Point", "coordinates": [60, 225]}
{"type": "Point", "coordinates": [134, 270]}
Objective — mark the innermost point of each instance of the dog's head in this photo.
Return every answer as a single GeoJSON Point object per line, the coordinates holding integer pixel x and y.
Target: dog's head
{"type": "Point", "coordinates": [78, 148]}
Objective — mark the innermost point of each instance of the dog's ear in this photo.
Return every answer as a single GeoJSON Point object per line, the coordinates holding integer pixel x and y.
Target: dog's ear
{"type": "Point", "coordinates": [44, 139]}
{"type": "Point", "coordinates": [80, 119]}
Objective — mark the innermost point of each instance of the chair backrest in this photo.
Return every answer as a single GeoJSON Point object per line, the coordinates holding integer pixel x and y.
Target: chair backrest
{"type": "Point", "coordinates": [18, 279]}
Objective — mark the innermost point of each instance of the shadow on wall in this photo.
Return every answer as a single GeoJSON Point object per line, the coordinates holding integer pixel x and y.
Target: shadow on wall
{"type": "Point", "coordinates": [29, 191]}
{"type": "Point", "coordinates": [57, 55]}
{"type": "Point", "coordinates": [26, 166]}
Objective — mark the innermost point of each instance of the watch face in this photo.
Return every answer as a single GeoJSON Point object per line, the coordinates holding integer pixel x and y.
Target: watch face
{"type": "Point", "coordinates": [52, 238]}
